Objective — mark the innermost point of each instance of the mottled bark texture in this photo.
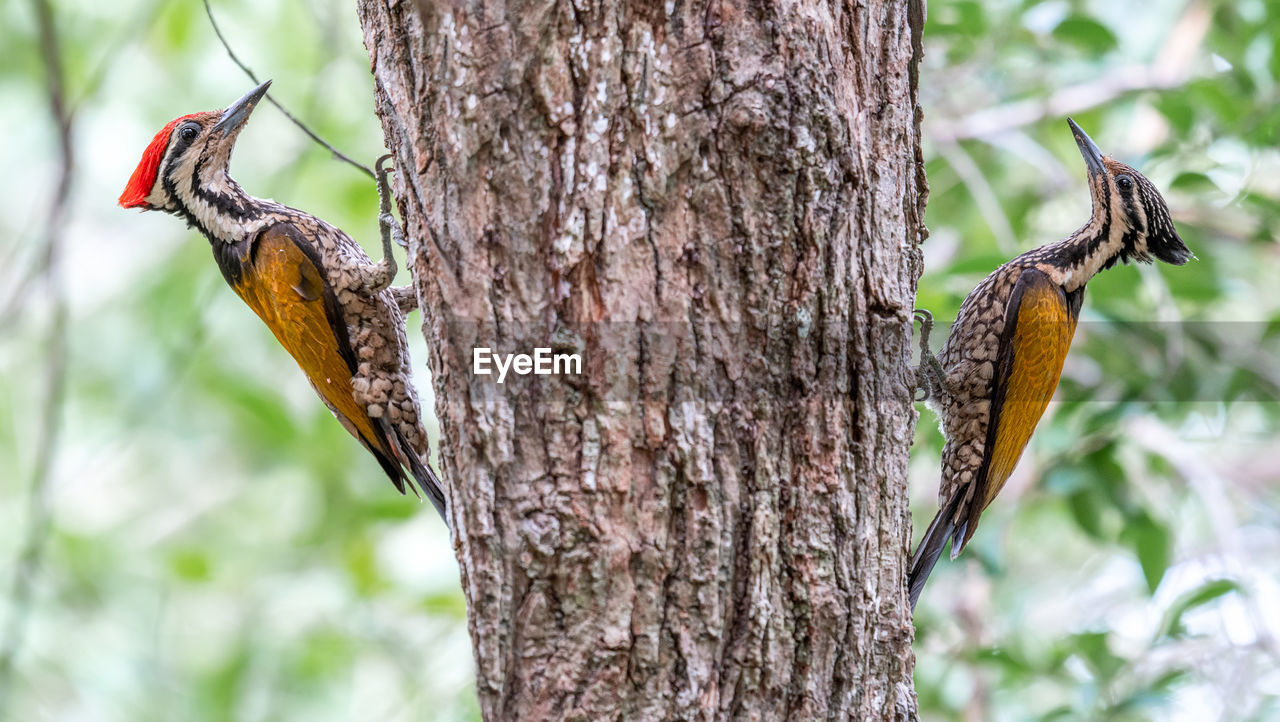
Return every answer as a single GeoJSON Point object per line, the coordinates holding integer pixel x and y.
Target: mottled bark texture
{"type": "Point", "coordinates": [718, 207]}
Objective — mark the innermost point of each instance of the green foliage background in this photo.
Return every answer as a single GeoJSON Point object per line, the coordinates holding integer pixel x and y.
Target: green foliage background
{"type": "Point", "coordinates": [219, 549]}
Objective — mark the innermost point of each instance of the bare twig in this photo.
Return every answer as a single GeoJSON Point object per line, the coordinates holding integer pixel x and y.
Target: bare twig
{"type": "Point", "coordinates": [1171, 69]}
{"type": "Point", "coordinates": [19, 286]}
{"type": "Point", "coordinates": [28, 566]}
{"type": "Point", "coordinates": [1072, 99]}
{"type": "Point", "coordinates": [254, 77]}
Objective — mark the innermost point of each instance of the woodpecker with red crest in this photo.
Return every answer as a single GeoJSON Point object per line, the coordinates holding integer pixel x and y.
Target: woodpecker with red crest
{"type": "Point", "coordinates": [992, 380]}
{"type": "Point", "coordinates": [328, 303]}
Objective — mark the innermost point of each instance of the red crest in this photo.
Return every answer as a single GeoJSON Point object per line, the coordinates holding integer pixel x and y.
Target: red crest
{"type": "Point", "coordinates": [144, 176]}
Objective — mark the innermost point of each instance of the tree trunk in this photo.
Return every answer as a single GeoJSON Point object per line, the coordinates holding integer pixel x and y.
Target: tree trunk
{"type": "Point", "coordinates": [717, 207]}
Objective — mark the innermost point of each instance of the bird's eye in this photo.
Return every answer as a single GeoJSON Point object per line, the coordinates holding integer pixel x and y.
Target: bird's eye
{"type": "Point", "coordinates": [1125, 182]}
{"type": "Point", "coordinates": [189, 132]}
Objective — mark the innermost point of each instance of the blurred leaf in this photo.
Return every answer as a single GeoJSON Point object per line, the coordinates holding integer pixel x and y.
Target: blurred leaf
{"type": "Point", "coordinates": [1171, 626]}
{"type": "Point", "coordinates": [1063, 480]}
{"type": "Point", "coordinates": [1263, 128]}
{"type": "Point", "coordinates": [1246, 384]}
{"type": "Point", "coordinates": [1178, 109]}
{"type": "Point", "coordinates": [1139, 702]}
{"type": "Point", "coordinates": [1152, 544]}
{"type": "Point", "coordinates": [1273, 64]}
{"type": "Point", "coordinates": [1211, 95]}
{"type": "Point", "coordinates": [260, 413]}
{"type": "Point", "coordinates": [191, 565]}
{"type": "Point", "coordinates": [82, 558]}
{"type": "Point", "coordinates": [1261, 202]}
{"type": "Point", "coordinates": [1093, 648]}
{"type": "Point", "coordinates": [176, 25]}
{"type": "Point", "coordinates": [1105, 468]}
{"type": "Point", "coordinates": [219, 690]}
{"type": "Point", "coordinates": [389, 507]}
{"type": "Point", "coordinates": [1064, 712]}
{"type": "Point", "coordinates": [1088, 510]}
{"type": "Point", "coordinates": [324, 655]}
{"type": "Point", "coordinates": [1085, 33]}
{"type": "Point", "coordinates": [362, 566]}
{"type": "Point", "coordinates": [962, 17]}
{"type": "Point", "coordinates": [1192, 182]}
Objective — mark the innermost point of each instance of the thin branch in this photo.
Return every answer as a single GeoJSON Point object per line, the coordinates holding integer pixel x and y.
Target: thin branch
{"type": "Point", "coordinates": [39, 518]}
{"type": "Point", "coordinates": [20, 286]}
{"type": "Point", "coordinates": [1072, 99]}
{"type": "Point", "coordinates": [1171, 68]}
{"type": "Point", "coordinates": [254, 77]}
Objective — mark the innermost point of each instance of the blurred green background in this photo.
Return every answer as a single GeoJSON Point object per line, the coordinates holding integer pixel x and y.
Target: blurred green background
{"type": "Point", "coordinates": [219, 549]}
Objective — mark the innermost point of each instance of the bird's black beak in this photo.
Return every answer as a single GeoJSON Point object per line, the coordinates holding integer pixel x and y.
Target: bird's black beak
{"type": "Point", "coordinates": [235, 115]}
{"type": "Point", "coordinates": [1092, 156]}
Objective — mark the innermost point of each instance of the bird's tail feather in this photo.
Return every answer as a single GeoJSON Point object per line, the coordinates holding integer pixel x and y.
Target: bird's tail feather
{"type": "Point", "coordinates": [428, 482]}
{"type": "Point", "coordinates": [423, 477]}
{"type": "Point", "coordinates": [931, 544]}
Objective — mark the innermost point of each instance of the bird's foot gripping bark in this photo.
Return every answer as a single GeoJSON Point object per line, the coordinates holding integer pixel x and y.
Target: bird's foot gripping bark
{"type": "Point", "coordinates": [406, 298]}
{"type": "Point", "coordinates": [391, 231]}
{"type": "Point", "coordinates": [378, 276]}
{"type": "Point", "coordinates": [930, 378]}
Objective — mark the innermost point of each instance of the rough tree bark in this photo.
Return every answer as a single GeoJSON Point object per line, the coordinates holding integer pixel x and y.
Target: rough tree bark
{"type": "Point", "coordinates": [718, 207]}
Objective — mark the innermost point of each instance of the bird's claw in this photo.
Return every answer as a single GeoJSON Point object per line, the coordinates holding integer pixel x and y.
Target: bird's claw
{"type": "Point", "coordinates": [926, 321]}
{"type": "Point", "coordinates": [928, 362]}
{"type": "Point", "coordinates": [388, 221]}
{"type": "Point", "coordinates": [377, 165]}
{"type": "Point", "coordinates": [390, 229]}
{"type": "Point", "coordinates": [921, 392]}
